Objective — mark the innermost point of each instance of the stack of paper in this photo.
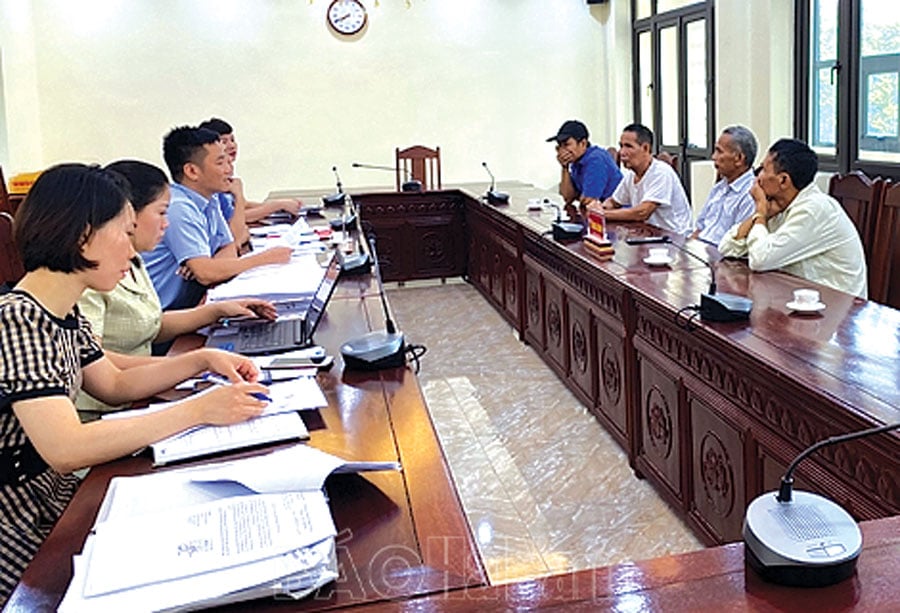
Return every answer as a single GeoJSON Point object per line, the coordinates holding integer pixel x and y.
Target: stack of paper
{"type": "Point", "coordinates": [299, 277]}
{"type": "Point", "coordinates": [280, 421]}
{"type": "Point", "coordinates": [210, 535]}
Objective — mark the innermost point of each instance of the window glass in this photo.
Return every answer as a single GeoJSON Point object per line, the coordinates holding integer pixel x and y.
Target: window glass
{"type": "Point", "coordinates": [696, 84]}
{"type": "Point", "coordinates": [668, 57]}
{"type": "Point", "coordinates": [642, 9]}
{"type": "Point", "coordinates": [823, 76]}
{"type": "Point", "coordinates": [645, 66]}
{"type": "Point", "coordinates": [670, 5]}
{"type": "Point", "coordinates": [879, 86]}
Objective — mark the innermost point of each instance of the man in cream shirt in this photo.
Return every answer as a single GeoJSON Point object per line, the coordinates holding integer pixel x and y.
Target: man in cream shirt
{"type": "Point", "coordinates": [796, 227]}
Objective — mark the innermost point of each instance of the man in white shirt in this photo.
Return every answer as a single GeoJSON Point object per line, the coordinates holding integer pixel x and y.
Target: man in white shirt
{"type": "Point", "coordinates": [649, 191]}
{"type": "Point", "coordinates": [729, 201]}
{"type": "Point", "coordinates": [796, 227]}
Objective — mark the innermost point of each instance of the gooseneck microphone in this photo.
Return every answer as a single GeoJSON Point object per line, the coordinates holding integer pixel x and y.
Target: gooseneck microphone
{"type": "Point", "coordinates": [382, 348]}
{"type": "Point", "coordinates": [565, 230]}
{"type": "Point", "coordinates": [799, 538]}
{"type": "Point", "coordinates": [493, 196]}
{"type": "Point", "coordinates": [409, 185]}
{"type": "Point", "coordinates": [716, 306]}
{"type": "Point", "coordinates": [337, 198]}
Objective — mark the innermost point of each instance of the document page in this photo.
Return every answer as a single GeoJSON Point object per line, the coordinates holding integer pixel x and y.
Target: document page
{"type": "Point", "coordinates": [194, 540]}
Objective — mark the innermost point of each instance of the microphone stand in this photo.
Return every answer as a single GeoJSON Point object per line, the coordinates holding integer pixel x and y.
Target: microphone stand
{"type": "Point", "coordinates": [494, 197]}
{"type": "Point", "coordinates": [409, 185]}
{"type": "Point", "coordinates": [337, 198]}
{"type": "Point", "coordinates": [800, 538]}
{"type": "Point", "coordinates": [565, 230]}
{"type": "Point", "coordinates": [717, 306]}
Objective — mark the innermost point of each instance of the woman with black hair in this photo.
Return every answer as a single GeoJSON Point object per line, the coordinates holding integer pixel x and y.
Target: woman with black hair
{"type": "Point", "coordinates": [73, 232]}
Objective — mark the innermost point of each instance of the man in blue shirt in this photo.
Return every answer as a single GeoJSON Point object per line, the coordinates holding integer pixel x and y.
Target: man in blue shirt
{"type": "Point", "coordinates": [729, 201]}
{"type": "Point", "coordinates": [589, 173]}
{"type": "Point", "coordinates": [197, 249]}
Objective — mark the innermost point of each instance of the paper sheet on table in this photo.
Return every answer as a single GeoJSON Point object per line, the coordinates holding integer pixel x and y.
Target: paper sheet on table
{"type": "Point", "coordinates": [194, 540]}
{"type": "Point", "coordinates": [299, 277]}
{"type": "Point", "coordinates": [205, 440]}
{"type": "Point", "coordinates": [295, 574]}
{"type": "Point", "coordinates": [293, 469]}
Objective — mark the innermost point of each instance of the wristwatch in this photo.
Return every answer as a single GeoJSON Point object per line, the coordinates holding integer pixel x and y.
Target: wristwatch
{"type": "Point", "coordinates": [757, 216]}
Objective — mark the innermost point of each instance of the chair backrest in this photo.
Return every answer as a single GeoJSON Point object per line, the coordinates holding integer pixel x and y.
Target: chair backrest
{"type": "Point", "coordinates": [669, 158]}
{"type": "Point", "coordinates": [614, 152]}
{"type": "Point", "coordinates": [420, 163]}
{"type": "Point", "coordinates": [884, 265]}
{"type": "Point", "coordinates": [11, 269]}
{"type": "Point", "coordinates": [4, 194]}
{"type": "Point", "coordinates": [860, 197]}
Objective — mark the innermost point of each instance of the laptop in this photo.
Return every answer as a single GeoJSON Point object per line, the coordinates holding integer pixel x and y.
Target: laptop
{"type": "Point", "coordinates": [258, 338]}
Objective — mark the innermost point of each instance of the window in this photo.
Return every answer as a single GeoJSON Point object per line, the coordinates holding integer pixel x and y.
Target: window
{"type": "Point", "coordinates": [849, 83]}
{"type": "Point", "coordinates": [673, 68]}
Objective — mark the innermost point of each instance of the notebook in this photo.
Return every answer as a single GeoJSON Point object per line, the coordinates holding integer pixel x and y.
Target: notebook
{"type": "Point", "coordinates": [255, 337]}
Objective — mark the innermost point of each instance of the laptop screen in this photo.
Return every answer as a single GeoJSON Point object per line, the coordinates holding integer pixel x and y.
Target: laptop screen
{"type": "Point", "coordinates": [322, 296]}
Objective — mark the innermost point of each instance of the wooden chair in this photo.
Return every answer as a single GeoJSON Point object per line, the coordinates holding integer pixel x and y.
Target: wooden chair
{"type": "Point", "coordinates": [11, 268]}
{"type": "Point", "coordinates": [669, 158]}
{"type": "Point", "coordinates": [420, 163]}
{"type": "Point", "coordinates": [614, 152]}
{"type": "Point", "coordinates": [859, 195]}
{"type": "Point", "coordinates": [4, 194]}
{"type": "Point", "coordinates": [884, 265]}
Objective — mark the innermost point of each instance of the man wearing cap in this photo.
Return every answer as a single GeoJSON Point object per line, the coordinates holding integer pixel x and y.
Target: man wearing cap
{"type": "Point", "coordinates": [589, 173]}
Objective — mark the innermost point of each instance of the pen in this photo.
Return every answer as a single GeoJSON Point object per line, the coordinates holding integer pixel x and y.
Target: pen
{"type": "Point", "coordinates": [220, 380]}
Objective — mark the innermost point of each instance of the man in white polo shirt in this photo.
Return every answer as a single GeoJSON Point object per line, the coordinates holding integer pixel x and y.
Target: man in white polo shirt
{"type": "Point", "coordinates": [649, 191]}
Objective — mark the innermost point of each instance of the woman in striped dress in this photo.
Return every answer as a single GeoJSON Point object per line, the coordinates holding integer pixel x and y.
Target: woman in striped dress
{"type": "Point", "coordinates": [73, 232]}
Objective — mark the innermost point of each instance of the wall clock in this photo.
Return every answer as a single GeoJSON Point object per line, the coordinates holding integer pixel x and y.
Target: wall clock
{"type": "Point", "coordinates": [346, 17]}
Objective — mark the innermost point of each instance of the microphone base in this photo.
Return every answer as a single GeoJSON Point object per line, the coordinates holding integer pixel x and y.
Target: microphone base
{"type": "Point", "coordinates": [375, 351]}
{"type": "Point", "coordinates": [355, 264]}
{"type": "Point", "coordinates": [808, 542]}
{"type": "Point", "coordinates": [340, 222]}
{"type": "Point", "coordinates": [495, 198]}
{"type": "Point", "coordinates": [724, 307]}
{"type": "Point", "coordinates": [567, 231]}
{"type": "Point", "coordinates": [336, 199]}
{"type": "Point", "coordinates": [411, 186]}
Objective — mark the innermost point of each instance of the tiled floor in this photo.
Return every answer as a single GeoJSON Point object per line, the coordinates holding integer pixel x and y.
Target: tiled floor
{"type": "Point", "coordinates": [545, 488]}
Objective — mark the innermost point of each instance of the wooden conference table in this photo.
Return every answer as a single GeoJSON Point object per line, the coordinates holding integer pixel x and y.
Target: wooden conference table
{"type": "Point", "coordinates": [399, 533]}
{"type": "Point", "coordinates": [710, 415]}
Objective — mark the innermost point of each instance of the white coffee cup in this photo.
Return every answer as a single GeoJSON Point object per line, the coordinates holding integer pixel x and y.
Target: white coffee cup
{"type": "Point", "coordinates": [806, 296]}
{"type": "Point", "coordinates": [659, 253]}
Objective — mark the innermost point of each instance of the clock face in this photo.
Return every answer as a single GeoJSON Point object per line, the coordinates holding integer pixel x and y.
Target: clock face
{"type": "Point", "coordinates": [346, 16]}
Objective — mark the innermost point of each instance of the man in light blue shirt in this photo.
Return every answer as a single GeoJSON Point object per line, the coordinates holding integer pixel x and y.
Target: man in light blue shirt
{"type": "Point", "coordinates": [729, 201]}
{"type": "Point", "coordinates": [197, 249]}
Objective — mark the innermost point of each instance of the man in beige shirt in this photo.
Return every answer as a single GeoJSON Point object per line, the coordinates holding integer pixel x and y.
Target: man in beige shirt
{"type": "Point", "coordinates": [797, 228]}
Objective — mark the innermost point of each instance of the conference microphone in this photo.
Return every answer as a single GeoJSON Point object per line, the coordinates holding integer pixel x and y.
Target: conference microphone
{"type": "Point", "coordinates": [718, 306]}
{"type": "Point", "coordinates": [337, 198]}
{"type": "Point", "coordinates": [380, 349]}
{"type": "Point", "coordinates": [409, 185]}
{"type": "Point", "coordinates": [799, 538]}
{"type": "Point", "coordinates": [355, 263]}
{"type": "Point", "coordinates": [565, 230]}
{"type": "Point", "coordinates": [493, 196]}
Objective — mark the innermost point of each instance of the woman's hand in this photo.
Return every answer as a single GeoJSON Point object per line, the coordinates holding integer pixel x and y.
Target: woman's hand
{"type": "Point", "coordinates": [230, 404]}
{"type": "Point", "coordinates": [247, 307]}
{"type": "Point", "coordinates": [236, 367]}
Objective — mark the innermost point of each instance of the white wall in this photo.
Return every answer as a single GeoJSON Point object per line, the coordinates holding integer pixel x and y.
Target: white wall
{"type": "Point", "coordinates": [97, 80]}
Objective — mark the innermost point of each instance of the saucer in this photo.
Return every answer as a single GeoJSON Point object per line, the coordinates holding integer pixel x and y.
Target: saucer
{"type": "Point", "coordinates": [805, 308]}
{"type": "Point", "coordinates": [659, 262]}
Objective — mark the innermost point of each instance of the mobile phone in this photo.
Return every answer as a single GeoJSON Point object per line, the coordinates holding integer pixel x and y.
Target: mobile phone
{"type": "Point", "coordinates": [642, 240]}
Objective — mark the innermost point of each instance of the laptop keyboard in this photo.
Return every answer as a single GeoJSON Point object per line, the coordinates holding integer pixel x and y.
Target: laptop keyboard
{"type": "Point", "coordinates": [272, 336]}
